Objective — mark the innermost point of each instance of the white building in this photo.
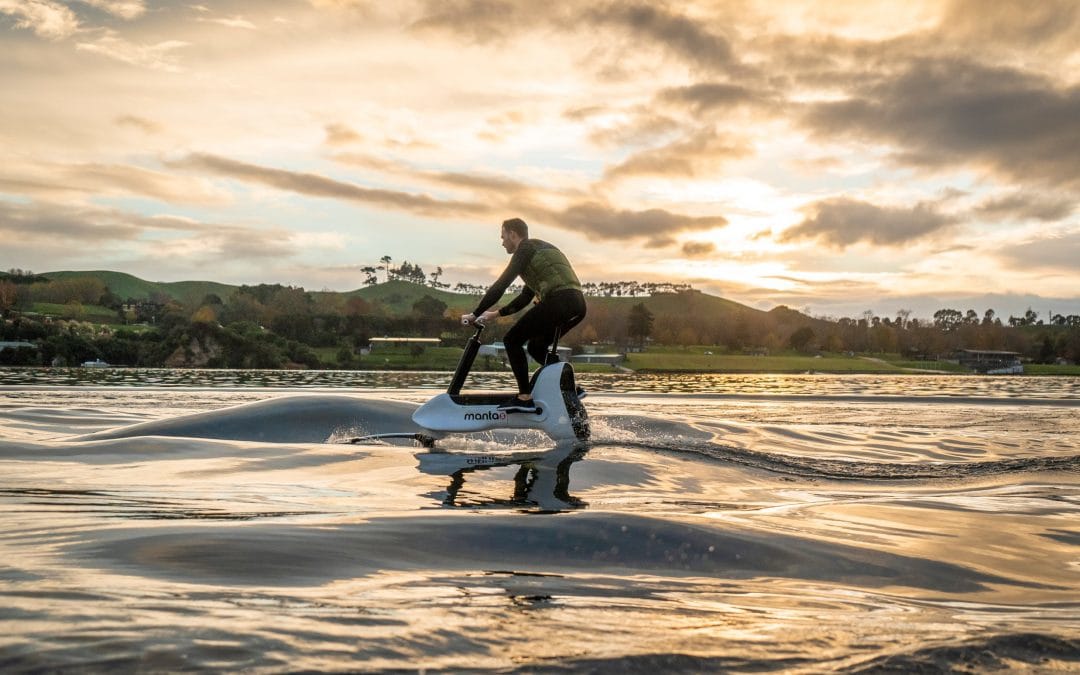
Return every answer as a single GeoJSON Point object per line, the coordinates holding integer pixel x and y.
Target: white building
{"type": "Point", "coordinates": [498, 351]}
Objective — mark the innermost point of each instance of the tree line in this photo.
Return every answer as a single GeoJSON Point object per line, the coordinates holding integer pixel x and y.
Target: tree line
{"type": "Point", "coordinates": [410, 272]}
{"type": "Point", "coordinates": [271, 325]}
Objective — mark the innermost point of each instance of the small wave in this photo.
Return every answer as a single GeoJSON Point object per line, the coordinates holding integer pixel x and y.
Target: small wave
{"type": "Point", "coordinates": [288, 419]}
{"type": "Point", "coordinates": [1002, 652]}
{"type": "Point", "coordinates": [848, 469]}
{"type": "Point", "coordinates": [603, 542]}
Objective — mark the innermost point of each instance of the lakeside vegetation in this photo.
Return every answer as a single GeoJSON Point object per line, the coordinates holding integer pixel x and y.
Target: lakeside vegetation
{"type": "Point", "coordinates": [67, 318]}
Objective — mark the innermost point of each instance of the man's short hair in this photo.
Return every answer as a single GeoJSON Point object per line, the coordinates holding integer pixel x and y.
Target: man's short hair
{"type": "Point", "coordinates": [517, 226]}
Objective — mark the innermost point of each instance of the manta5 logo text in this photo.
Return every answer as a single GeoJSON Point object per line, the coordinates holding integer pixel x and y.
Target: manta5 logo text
{"type": "Point", "coordinates": [485, 416]}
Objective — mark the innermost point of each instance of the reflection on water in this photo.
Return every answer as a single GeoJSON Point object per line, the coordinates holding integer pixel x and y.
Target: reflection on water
{"type": "Point", "coordinates": [701, 383]}
{"type": "Point", "coordinates": [541, 481]}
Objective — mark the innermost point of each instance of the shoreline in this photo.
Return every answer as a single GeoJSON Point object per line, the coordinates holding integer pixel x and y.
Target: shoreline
{"type": "Point", "coordinates": [1044, 371]}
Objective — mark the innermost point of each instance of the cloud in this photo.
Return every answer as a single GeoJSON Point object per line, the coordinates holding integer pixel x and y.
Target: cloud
{"type": "Point", "coordinates": [321, 186]}
{"type": "Point", "coordinates": [231, 22]}
{"type": "Point", "coordinates": [952, 112]}
{"type": "Point", "coordinates": [70, 232]}
{"type": "Point", "coordinates": [841, 222]}
{"type": "Point", "coordinates": [480, 183]}
{"type": "Point", "coordinates": [647, 24]}
{"type": "Point", "coordinates": [48, 20]}
{"type": "Point", "coordinates": [481, 20]}
{"type": "Point", "coordinates": [244, 244]}
{"type": "Point", "coordinates": [66, 225]}
{"type": "Point", "coordinates": [636, 127]}
{"type": "Point", "coordinates": [91, 180]}
{"type": "Point", "coordinates": [154, 56]}
{"type": "Point", "coordinates": [600, 221]}
{"type": "Point", "coordinates": [498, 191]}
{"type": "Point", "coordinates": [341, 134]}
{"type": "Point", "coordinates": [698, 249]}
{"type": "Point", "coordinates": [125, 9]}
{"type": "Point", "coordinates": [1040, 25]}
{"type": "Point", "coordinates": [701, 153]}
{"type": "Point", "coordinates": [140, 123]}
{"type": "Point", "coordinates": [674, 32]}
{"type": "Point", "coordinates": [1023, 205]}
{"type": "Point", "coordinates": [1059, 253]}
{"type": "Point", "coordinates": [709, 96]}
{"type": "Point", "coordinates": [56, 21]}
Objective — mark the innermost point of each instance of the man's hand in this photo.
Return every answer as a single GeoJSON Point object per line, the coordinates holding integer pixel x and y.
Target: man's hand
{"type": "Point", "coordinates": [485, 318]}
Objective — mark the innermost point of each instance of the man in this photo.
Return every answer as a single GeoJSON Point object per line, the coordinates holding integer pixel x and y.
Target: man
{"type": "Point", "coordinates": [550, 282]}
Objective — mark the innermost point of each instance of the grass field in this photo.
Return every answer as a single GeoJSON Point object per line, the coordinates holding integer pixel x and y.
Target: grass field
{"type": "Point", "coordinates": [743, 363]}
{"type": "Point", "coordinates": [686, 359]}
{"type": "Point", "coordinates": [433, 358]}
{"type": "Point", "coordinates": [91, 313]}
{"type": "Point", "coordinates": [1048, 369]}
{"type": "Point", "coordinates": [931, 365]}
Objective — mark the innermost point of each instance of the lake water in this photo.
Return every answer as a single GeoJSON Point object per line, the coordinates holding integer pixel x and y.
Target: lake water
{"type": "Point", "coordinates": [714, 523]}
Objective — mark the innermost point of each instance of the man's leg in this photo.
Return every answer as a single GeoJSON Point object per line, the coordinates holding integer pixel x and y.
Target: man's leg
{"type": "Point", "coordinates": [540, 345]}
{"type": "Point", "coordinates": [527, 329]}
{"type": "Point", "coordinates": [538, 327]}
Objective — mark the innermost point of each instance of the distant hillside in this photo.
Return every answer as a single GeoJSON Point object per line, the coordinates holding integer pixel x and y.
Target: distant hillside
{"type": "Point", "coordinates": [128, 286]}
{"type": "Point", "coordinates": [399, 296]}
{"type": "Point", "coordinates": [688, 303]}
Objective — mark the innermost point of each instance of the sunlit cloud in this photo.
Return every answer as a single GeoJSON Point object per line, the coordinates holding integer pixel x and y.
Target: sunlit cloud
{"type": "Point", "coordinates": [84, 181]}
{"type": "Point", "coordinates": [663, 27]}
{"type": "Point", "coordinates": [49, 222]}
{"type": "Point", "coordinates": [125, 9]}
{"type": "Point", "coordinates": [1022, 205]}
{"type": "Point", "coordinates": [48, 20]}
{"type": "Point", "coordinates": [952, 112]}
{"type": "Point", "coordinates": [231, 22]}
{"type": "Point", "coordinates": [1057, 252]}
{"type": "Point", "coordinates": [698, 249]}
{"type": "Point", "coordinates": [657, 227]}
{"type": "Point", "coordinates": [841, 222]}
{"type": "Point", "coordinates": [321, 186]}
{"type": "Point", "coordinates": [341, 134]}
{"type": "Point", "coordinates": [157, 56]}
{"type": "Point", "coordinates": [140, 123]}
{"type": "Point", "coordinates": [704, 152]}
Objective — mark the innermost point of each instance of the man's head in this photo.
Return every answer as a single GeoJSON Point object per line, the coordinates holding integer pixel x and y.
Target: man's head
{"type": "Point", "coordinates": [514, 231]}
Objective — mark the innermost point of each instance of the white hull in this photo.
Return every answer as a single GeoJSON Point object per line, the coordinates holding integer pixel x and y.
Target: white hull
{"type": "Point", "coordinates": [560, 413]}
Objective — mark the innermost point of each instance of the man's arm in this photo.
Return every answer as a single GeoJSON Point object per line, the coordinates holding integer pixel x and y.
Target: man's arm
{"type": "Point", "coordinates": [519, 303]}
{"type": "Point", "coordinates": [518, 261]}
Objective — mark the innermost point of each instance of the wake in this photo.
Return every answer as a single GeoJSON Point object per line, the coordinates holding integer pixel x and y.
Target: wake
{"type": "Point", "coordinates": [847, 469]}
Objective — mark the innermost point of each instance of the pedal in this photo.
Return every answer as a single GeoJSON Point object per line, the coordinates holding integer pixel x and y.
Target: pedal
{"type": "Point", "coordinates": [533, 411]}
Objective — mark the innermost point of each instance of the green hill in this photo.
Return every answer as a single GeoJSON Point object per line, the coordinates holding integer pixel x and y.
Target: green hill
{"type": "Point", "coordinates": [128, 286]}
{"type": "Point", "coordinates": [399, 296]}
{"type": "Point", "coordinates": [688, 303]}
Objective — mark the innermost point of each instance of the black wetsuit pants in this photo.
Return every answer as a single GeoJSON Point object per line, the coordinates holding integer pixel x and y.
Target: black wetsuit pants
{"type": "Point", "coordinates": [560, 311]}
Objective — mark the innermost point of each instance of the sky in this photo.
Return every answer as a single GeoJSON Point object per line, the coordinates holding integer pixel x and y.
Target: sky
{"type": "Point", "coordinates": [836, 158]}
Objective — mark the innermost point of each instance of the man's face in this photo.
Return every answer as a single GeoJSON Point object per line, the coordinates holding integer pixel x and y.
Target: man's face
{"type": "Point", "coordinates": [510, 240]}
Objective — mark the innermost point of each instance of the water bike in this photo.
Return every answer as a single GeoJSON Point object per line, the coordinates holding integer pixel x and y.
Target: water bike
{"type": "Point", "coordinates": [559, 412]}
